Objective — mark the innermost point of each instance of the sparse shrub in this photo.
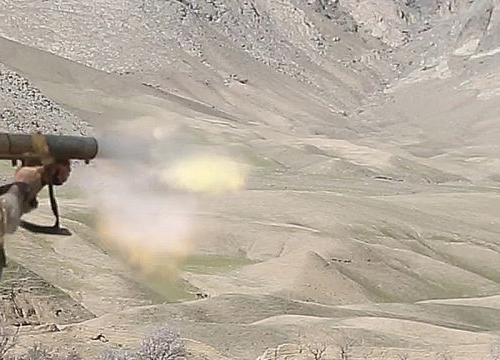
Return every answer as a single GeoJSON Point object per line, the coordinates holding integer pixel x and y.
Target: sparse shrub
{"type": "Point", "coordinates": [8, 339]}
{"type": "Point", "coordinates": [403, 356]}
{"type": "Point", "coordinates": [317, 350]}
{"type": "Point", "coordinates": [345, 343]}
{"type": "Point", "coordinates": [112, 354]}
{"type": "Point", "coordinates": [39, 352]}
{"type": "Point", "coordinates": [162, 344]}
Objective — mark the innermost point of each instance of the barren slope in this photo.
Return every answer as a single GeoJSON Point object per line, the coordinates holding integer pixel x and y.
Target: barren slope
{"type": "Point", "coordinates": [371, 133]}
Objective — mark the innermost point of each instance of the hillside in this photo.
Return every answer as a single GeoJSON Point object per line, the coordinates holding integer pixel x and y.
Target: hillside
{"type": "Point", "coordinates": [368, 204]}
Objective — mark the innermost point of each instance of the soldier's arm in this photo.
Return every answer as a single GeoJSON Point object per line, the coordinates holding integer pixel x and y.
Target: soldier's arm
{"type": "Point", "coordinates": [34, 179]}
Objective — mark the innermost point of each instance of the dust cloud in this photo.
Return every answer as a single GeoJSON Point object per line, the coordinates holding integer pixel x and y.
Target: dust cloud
{"type": "Point", "coordinates": [146, 188]}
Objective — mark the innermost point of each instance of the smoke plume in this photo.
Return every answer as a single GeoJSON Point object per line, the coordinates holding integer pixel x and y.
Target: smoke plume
{"type": "Point", "coordinates": [146, 188]}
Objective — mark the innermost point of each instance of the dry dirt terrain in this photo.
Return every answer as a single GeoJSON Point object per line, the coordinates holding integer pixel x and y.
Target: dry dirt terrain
{"type": "Point", "coordinates": [357, 143]}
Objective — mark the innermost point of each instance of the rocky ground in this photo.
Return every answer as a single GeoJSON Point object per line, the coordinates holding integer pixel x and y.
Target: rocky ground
{"type": "Point", "coordinates": [26, 109]}
{"type": "Point", "coordinates": [370, 210]}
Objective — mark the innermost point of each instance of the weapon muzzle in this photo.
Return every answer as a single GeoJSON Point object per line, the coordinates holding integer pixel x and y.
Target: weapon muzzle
{"type": "Point", "coordinates": [61, 147]}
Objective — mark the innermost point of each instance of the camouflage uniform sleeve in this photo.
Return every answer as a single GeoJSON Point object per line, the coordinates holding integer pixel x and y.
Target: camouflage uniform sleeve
{"type": "Point", "coordinates": [10, 215]}
{"type": "Point", "coordinates": [10, 205]}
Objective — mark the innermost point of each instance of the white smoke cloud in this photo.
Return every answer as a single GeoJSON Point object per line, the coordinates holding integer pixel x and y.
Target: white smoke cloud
{"type": "Point", "coordinates": [145, 192]}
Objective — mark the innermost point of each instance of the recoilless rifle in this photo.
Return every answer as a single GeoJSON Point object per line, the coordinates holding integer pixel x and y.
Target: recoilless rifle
{"type": "Point", "coordinates": [47, 150]}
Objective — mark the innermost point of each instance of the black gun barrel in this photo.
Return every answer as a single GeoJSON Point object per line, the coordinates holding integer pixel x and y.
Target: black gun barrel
{"type": "Point", "coordinates": [61, 147]}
